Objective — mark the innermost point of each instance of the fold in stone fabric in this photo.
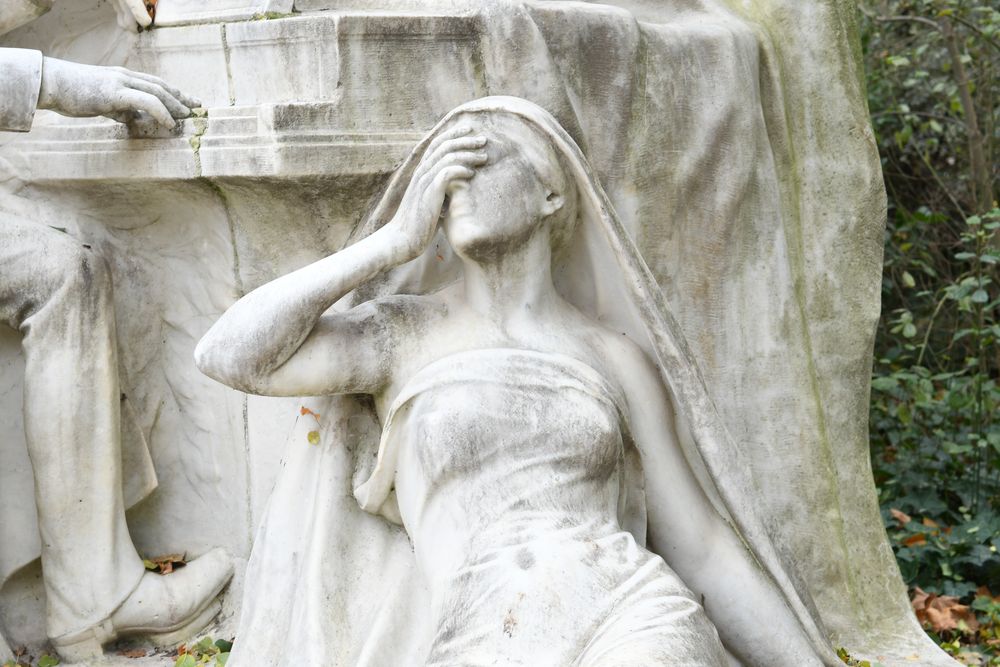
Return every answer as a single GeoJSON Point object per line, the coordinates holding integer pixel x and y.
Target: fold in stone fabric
{"type": "Point", "coordinates": [733, 145]}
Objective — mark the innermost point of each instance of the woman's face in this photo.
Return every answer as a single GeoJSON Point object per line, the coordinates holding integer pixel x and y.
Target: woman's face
{"type": "Point", "coordinates": [501, 206]}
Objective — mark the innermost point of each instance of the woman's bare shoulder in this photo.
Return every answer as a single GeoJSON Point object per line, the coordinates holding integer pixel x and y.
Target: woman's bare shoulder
{"type": "Point", "coordinates": [624, 358]}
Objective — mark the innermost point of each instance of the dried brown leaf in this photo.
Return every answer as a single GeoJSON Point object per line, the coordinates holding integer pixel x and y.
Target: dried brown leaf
{"type": "Point", "coordinates": [165, 564]}
{"type": "Point", "coordinates": [943, 613]}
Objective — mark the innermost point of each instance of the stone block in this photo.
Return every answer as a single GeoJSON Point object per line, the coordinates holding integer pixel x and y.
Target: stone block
{"type": "Point", "coordinates": [193, 56]}
{"type": "Point", "coordinates": [283, 60]}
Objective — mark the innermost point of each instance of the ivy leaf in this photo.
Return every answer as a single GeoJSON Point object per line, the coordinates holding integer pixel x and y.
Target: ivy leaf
{"type": "Point", "coordinates": [885, 383]}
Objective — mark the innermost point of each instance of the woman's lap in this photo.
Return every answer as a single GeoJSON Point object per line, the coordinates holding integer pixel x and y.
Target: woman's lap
{"type": "Point", "coordinates": [642, 615]}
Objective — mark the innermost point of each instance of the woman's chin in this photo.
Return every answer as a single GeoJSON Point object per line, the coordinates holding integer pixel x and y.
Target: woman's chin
{"type": "Point", "coordinates": [464, 232]}
{"type": "Point", "coordinates": [477, 247]}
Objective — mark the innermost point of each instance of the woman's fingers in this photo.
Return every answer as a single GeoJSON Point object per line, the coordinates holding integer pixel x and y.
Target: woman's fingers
{"type": "Point", "coordinates": [129, 99]}
{"type": "Point", "coordinates": [455, 145]}
{"type": "Point", "coordinates": [176, 108]}
{"type": "Point", "coordinates": [465, 158]}
{"type": "Point", "coordinates": [453, 133]}
{"type": "Point", "coordinates": [455, 173]}
{"type": "Point", "coordinates": [436, 188]}
{"type": "Point", "coordinates": [469, 159]}
{"type": "Point", "coordinates": [461, 143]}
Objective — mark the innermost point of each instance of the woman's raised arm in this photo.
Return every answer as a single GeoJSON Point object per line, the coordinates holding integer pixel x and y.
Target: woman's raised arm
{"type": "Point", "coordinates": [269, 342]}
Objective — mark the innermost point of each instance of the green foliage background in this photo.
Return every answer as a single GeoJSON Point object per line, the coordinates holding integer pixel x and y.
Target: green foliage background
{"type": "Point", "coordinates": [934, 85]}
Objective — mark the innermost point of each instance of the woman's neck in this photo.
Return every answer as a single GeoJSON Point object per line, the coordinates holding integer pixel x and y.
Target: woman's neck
{"type": "Point", "coordinates": [512, 283]}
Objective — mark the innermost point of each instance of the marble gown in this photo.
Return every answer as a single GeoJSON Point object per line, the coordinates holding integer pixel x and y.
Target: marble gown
{"type": "Point", "coordinates": [507, 469]}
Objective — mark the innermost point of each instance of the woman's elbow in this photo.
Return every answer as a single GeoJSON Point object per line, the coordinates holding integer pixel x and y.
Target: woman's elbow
{"type": "Point", "coordinates": [207, 355]}
{"type": "Point", "coordinates": [217, 359]}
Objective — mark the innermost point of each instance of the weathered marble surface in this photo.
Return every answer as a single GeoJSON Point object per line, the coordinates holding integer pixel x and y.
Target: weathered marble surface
{"type": "Point", "coordinates": [731, 137]}
{"type": "Point", "coordinates": [537, 518]}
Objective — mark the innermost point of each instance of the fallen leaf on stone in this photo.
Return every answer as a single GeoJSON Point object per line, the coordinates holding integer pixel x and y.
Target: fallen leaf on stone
{"type": "Point", "coordinates": [313, 437]}
{"type": "Point", "coordinates": [165, 564]}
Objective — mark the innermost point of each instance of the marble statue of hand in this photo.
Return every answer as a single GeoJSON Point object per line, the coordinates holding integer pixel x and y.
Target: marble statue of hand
{"type": "Point", "coordinates": [74, 89]}
{"type": "Point", "coordinates": [449, 160]}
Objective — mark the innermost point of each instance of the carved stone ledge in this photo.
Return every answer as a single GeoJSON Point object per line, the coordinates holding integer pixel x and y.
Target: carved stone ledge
{"type": "Point", "coordinates": [268, 141]}
{"type": "Point", "coordinates": [287, 98]}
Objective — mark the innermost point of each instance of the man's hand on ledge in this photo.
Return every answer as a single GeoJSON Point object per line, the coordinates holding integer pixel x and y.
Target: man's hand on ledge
{"type": "Point", "coordinates": [73, 89]}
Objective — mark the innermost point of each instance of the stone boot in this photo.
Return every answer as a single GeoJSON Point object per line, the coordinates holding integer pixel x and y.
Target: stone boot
{"type": "Point", "coordinates": [165, 609]}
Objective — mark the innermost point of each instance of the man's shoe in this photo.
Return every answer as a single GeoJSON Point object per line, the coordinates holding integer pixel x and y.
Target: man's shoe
{"type": "Point", "coordinates": [166, 609]}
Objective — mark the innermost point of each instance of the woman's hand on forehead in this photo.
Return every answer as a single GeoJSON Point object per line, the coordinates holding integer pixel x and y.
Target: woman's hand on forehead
{"type": "Point", "coordinates": [451, 158]}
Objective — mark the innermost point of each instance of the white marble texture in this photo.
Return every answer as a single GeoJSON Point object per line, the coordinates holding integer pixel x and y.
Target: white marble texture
{"type": "Point", "coordinates": [731, 138]}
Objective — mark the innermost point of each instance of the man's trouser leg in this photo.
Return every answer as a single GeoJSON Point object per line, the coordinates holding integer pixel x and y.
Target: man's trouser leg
{"type": "Point", "coordinates": [58, 294]}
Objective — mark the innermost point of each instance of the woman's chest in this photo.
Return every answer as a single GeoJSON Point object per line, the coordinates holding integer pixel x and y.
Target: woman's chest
{"type": "Point", "coordinates": [505, 427]}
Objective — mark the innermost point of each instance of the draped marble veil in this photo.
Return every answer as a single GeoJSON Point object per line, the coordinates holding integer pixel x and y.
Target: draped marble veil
{"type": "Point", "coordinates": [328, 584]}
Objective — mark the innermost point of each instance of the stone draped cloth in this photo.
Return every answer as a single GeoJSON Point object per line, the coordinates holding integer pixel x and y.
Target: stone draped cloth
{"type": "Point", "coordinates": [732, 141]}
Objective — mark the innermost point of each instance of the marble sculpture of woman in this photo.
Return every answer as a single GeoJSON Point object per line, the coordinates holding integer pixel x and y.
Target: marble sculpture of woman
{"type": "Point", "coordinates": [544, 438]}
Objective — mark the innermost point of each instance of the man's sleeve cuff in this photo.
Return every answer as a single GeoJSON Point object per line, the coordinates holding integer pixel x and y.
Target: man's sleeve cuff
{"type": "Point", "coordinates": [20, 84]}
